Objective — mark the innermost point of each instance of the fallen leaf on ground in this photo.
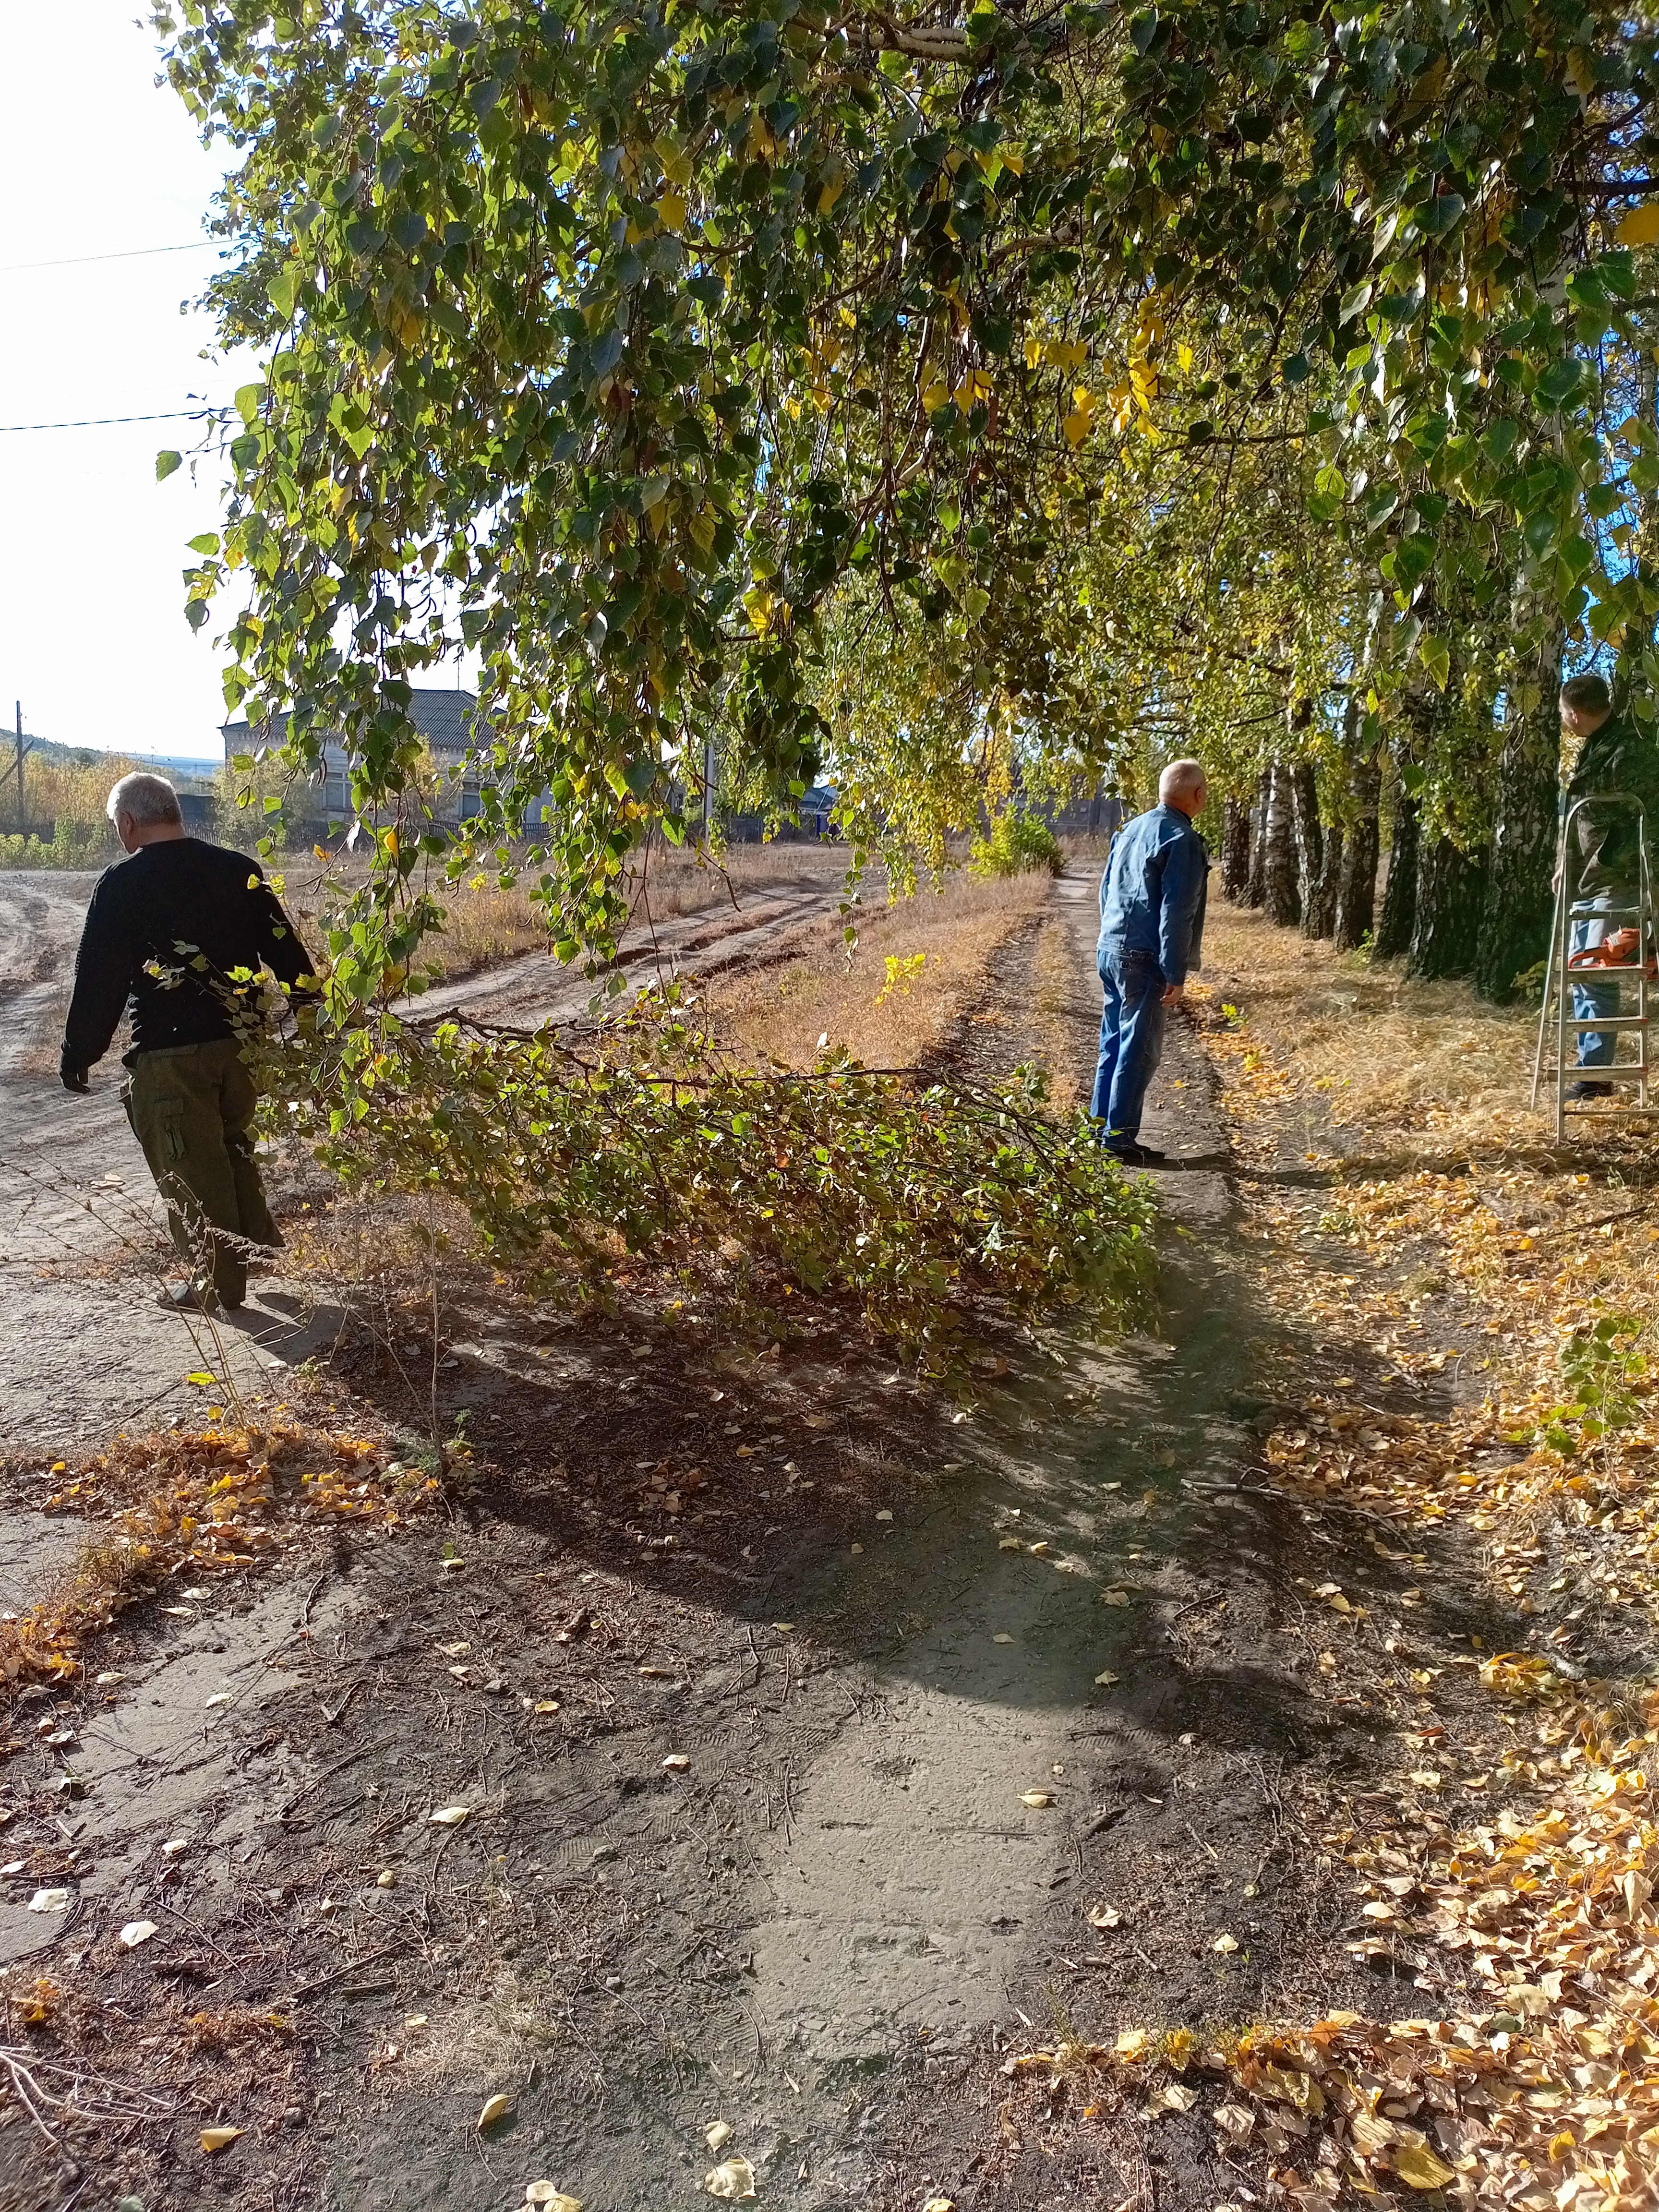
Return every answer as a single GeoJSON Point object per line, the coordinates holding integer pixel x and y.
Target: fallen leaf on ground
{"type": "Point", "coordinates": [676, 1763]}
{"type": "Point", "coordinates": [733, 2176]}
{"type": "Point", "coordinates": [550, 2194]}
{"type": "Point", "coordinates": [1176, 2097]}
{"type": "Point", "coordinates": [717, 2134]}
{"type": "Point", "coordinates": [941, 2204]}
{"type": "Point", "coordinates": [494, 2108]}
{"type": "Point", "coordinates": [1035, 1799]}
{"type": "Point", "coordinates": [173, 1845]}
{"type": "Point", "coordinates": [215, 2139]}
{"type": "Point", "coordinates": [136, 1932]}
{"type": "Point", "coordinates": [656, 1673]}
{"type": "Point", "coordinates": [1105, 1682]}
{"type": "Point", "coordinates": [454, 1650]}
{"type": "Point", "coordinates": [1419, 2168]}
{"type": "Point", "coordinates": [1225, 1943]}
{"type": "Point", "coordinates": [447, 1816]}
{"type": "Point", "coordinates": [547, 1704]}
{"type": "Point", "coordinates": [1104, 1915]}
{"type": "Point", "coordinates": [1002, 1637]}
{"type": "Point", "coordinates": [1236, 2121]}
{"type": "Point", "coordinates": [1426, 1777]}
{"type": "Point", "coordinates": [857, 1548]}
{"type": "Point", "coordinates": [1114, 1597]}
{"type": "Point", "coordinates": [386, 1878]}
{"type": "Point", "coordinates": [1010, 1544]}
{"type": "Point", "coordinates": [884, 1515]}
{"type": "Point", "coordinates": [49, 1900]}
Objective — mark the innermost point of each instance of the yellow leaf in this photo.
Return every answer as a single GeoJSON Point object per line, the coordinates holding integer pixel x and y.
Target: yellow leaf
{"type": "Point", "coordinates": [1104, 1915]}
{"type": "Point", "coordinates": [215, 2139]}
{"type": "Point", "coordinates": [494, 2108]}
{"type": "Point", "coordinates": [1225, 1943]}
{"type": "Point", "coordinates": [1563, 2145]}
{"type": "Point", "coordinates": [670, 210]}
{"type": "Point", "coordinates": [550, 2197]}
{"type": "Point", "coordinates": [1105, 1682]}
{"type": "Point", "coordinates": [732, 2177]}
{"type": "Point", "coordinates": [718, 2134]}
{"type": "Point", "coordinates": [448, 1816]}
{"type": "Point", "coordinates": [1641, 226]}
{"type": "Point", "coordinates": [1419, 2168]}
{"type": "Point", "coordinates": [1036, 1799]}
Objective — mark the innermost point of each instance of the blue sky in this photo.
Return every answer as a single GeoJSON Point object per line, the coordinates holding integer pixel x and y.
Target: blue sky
{"type": "Point", "coordinates": [92, 637]}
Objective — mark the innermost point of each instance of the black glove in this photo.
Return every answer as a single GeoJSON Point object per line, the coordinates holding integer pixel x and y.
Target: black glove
{"type": "Point", "coordinates": [72, 1078]}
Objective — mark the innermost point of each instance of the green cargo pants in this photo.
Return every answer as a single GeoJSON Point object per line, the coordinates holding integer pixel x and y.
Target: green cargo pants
{"type": "Point", "coordinates": [192, 1107]}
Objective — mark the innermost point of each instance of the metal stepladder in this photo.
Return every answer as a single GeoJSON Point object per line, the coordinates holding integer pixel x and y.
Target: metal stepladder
{"type": "Point", "coordinates": [1556, 1019]}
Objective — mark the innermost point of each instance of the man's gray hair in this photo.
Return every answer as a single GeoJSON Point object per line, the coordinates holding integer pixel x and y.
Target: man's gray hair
{"type": "Point", "coordinates": [1179, 777]}
{"type": "Point", "coordinates": [144, 798]}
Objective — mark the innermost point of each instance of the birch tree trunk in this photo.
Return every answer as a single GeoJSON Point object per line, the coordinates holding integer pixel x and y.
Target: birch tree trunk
{"type": "Point", "coordinates": [1236, 842]}
{"type": "Point", "coordinates": [1281, 899]}
{"type": "Point", "coordinates": [1256, 889]}
{"type": "Point", "coordinates": [1514, 921]}
{"type": "Point", "coordinates": [1451, 892]}
{"type": "Point", "coordinates": [1395, 931]}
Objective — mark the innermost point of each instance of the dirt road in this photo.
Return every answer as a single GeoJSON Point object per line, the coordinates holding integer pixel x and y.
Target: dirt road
{"type": "Point", "coordinates": [780, 1825]}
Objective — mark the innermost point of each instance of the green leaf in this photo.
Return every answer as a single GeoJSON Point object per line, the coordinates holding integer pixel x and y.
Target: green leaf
{"type": "Point", "coordinates": [207, 543]}
{"type": "Point", "coordinates": [1435, 654]}
{"type": "Point", "coordinates": [166, 463]}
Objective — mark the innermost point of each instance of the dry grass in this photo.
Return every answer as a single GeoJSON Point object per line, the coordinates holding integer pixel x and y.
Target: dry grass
{"type": "Point", "coordinates": [915, 969]}
{"type": "Point", "coordinates": [1423, 1067]}
{"type": "Point", "coordinates": [210, 1500]}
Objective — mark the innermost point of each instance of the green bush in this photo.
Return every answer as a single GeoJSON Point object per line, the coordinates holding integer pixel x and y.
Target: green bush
{"type": "Point", "coordinates": [72, 845]}
{"type": "Point", "coordinates": [1016, 841]}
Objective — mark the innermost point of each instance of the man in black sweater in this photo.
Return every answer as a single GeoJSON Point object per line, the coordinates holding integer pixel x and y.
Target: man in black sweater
{"type": "Point", "coordinates": [165, 933]}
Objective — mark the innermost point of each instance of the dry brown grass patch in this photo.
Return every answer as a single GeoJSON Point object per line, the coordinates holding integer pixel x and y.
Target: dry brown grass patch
{"type": "Point", "coordinates": [914, 972]}
{"type": "Point", "coordinates": [211, 1500]}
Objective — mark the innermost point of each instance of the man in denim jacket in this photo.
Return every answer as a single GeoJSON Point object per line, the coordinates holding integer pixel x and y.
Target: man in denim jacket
{"type": "Point", "coordinates": [1151, 930]}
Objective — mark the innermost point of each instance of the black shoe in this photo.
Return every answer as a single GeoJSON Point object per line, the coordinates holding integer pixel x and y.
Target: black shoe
{"type": "Point", "coordinates": [1131, 1154]}
{"type": "Point", "coordinates": [1590, 1089]}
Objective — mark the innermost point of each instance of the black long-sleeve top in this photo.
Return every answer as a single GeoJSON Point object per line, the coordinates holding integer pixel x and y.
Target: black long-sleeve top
{"type": "Point", "coordinates": [164, 930]}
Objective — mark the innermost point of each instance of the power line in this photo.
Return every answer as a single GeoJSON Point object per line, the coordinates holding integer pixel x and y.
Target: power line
{"type": "Point", "coordinates": [102, 421]}
{"type": "Point", "coordinates": [80, 260]}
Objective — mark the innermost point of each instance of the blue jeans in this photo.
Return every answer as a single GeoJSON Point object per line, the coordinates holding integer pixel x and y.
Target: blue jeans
{"type": "Point", "coordinates": [1131, 1041]}
{"type": "Point", "coordinates": [1596, 1048]}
